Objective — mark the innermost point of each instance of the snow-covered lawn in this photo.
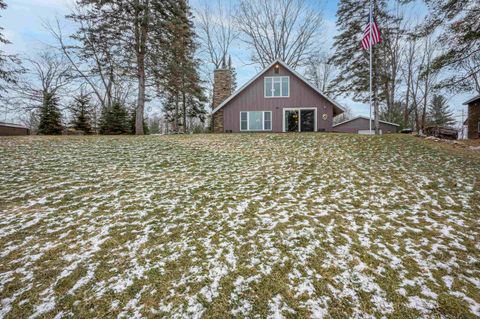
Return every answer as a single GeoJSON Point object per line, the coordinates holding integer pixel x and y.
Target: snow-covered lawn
{"type": "Point", "coordinates": [217, 226]}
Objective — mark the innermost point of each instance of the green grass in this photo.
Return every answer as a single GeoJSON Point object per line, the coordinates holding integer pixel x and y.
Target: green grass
{"type": "Point", "coordinates": [247, 225]}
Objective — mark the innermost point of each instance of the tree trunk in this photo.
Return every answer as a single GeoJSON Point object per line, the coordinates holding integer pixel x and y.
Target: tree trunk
{"type": "Point", "coordinates": [407, 100]}
{"type": "Point", "coordinates": [176, 113]}
{"type": "Point", "coordinates": [417, 119]}
{"type": "Point", "coordinates": [141, 31]}
{"type": "Point", "coordinates": [184, 105]}
{"type": "Point", "coordinates": [141, 96]}
{"type": "Point", "coordinates": [375, 97]}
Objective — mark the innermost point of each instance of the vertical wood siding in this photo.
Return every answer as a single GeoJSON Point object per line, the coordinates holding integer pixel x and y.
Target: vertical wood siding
{"type": "Point", "coordinates": [362, 124]}
{"type": "Point", "coordinates": [252, 99]}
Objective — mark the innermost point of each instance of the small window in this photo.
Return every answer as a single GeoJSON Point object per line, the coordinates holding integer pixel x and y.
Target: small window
{"type": "Point", "coordinates": [256, 121]}
{"type": "Point", "coordinates": [277, 86]}
{"type": "Point", "coordinates": [243, 121]}
{"type": "Point", "coordinates": [268, 87]}
{"type": "Point", "coordinates": [267, 121]}
{"type": "Point", "coordinates": [285, 86]}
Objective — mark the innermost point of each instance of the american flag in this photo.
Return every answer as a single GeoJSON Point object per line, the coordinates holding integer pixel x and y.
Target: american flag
{"type": "Point", "coordinates": [375, 35]}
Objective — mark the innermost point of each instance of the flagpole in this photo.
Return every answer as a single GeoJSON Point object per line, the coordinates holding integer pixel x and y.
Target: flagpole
{"type": "Point", "coordinates": [371, 45]}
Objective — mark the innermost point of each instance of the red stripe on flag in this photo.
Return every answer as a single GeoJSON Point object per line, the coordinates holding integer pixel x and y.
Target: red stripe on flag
{"type": "Point", "coordinates": [375, 34]}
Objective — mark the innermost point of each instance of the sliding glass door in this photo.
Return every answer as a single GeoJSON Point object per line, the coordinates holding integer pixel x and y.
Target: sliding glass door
{"type": "Point", "coordinates": [299, 120]}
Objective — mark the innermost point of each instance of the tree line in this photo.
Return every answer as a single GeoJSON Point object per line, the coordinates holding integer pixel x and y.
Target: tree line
{"type": "Point", "coordinates": [421, 58]}
{"type": "Point", "coordinates": [128, 54]}
{"type": "Point", "coordinates": [122, 55]}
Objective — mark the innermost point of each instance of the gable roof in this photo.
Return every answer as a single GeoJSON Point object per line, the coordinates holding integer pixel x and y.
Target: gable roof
{"type": "Point", "coordinates": [365, 118]}
{"type": "Point", "coordinates": [339, 108]}
{"type": "Point", "coordinates": [472, 100]}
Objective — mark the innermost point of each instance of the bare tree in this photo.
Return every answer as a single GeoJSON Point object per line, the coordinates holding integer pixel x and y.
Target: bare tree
{"type": "Point", "coordinates": [216, 30]}
{"type": "Point", "coordinates": [10, 67]}
{"type": "Point", "coordinates": [91, 59]}
{"type": "Point", "coordinates": [345, 116]}
{"type": "Point", "coordinates": [216, 33]}
{"type": "Point", "coordinates": [47, 73]}
{"type": "Point", "coordinates": [279, 29]}
{"type": "Point", "coordinates": [320, 72]}
{"type": "Point", "coordinates": [420, 77]}
{"type": "Point", "coordinates": [393, 45]}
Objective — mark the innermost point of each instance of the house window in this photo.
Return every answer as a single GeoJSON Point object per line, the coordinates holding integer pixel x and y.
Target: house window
{"type": "Point", "coordinates": [277, 86]}
{"type": "Point", "coordinates": [243, 121]}
{"type": "Point", "coordinates": [256, 121]}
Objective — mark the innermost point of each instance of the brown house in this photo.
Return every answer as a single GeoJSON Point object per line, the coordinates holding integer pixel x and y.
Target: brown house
{"type": "Point", "coordinates": [9, 129]}
{"type": "Point", "coordinates": [361, 125]}
{"type": "Point", "coordinates": [473, 120]}
{"type": "Point", "coordinates": [277, 99]}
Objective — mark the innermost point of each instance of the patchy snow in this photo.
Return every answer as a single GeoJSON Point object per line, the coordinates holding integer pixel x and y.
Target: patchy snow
{"type": "Point", "coordinates": [314, 225]}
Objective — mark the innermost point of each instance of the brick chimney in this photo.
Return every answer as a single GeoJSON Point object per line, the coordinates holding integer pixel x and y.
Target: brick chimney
{"type": "Point", "coordinates": [474, 119]}
{"type": "Point", "coordinates": [222, 89]}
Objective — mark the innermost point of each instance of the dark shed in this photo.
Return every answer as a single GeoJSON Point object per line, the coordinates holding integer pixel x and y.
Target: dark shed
{"type": "Point", "coordinates": [473, 120]}
{"type": "Point", "coordinates": [361, 125]}
{"type": "Point", "coordinates": [9, 129]}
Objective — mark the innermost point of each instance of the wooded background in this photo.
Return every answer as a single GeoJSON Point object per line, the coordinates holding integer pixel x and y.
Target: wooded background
{"type": "Point", "coordinates": [138, 66]}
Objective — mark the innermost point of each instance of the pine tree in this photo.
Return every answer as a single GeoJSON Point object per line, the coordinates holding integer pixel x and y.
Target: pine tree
{"type": "Point", "coordinates": [50, 116]}
{"type": "Point", "coordinates": [114, 120]}
{"type": "Point", "coordinates": [154, 125]}
{"type": "Point", "coordinates": [439, 113]}
{"type": "Point", "coordinates": [393, 114]}
{"type": "Point", "coordinates": [461, 39]}
{"type": "Point", "coordinates": [81, 110]}
{"type": "Point", "coordinates": [138, 26]}
{"type": "Point", "coordinates": [234, 74]}
{"type": "Point", "coordinates": [352, 62]}
{"type": "Point", "coordinates": [183, 91]}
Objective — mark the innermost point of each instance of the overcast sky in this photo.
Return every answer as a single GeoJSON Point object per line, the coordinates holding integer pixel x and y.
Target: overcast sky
{"type": "Point", "coordinates": [23, 21]}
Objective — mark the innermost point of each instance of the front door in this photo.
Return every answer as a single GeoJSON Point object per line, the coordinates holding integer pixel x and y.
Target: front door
{"type": "Point", "coordinates": [299, 120]}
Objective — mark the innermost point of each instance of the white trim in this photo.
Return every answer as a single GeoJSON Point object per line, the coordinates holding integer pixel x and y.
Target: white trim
{"type": "Point", "coordinates": [289, 69]}
{"type": "Point", "coordinates": [273, 85]}
{"type": "Point", "coordinates": [365, 118]}
{"type": "Point", "coordinates": [263, 121]}
{"type": "Point", "coordinates": [241, 120]}
{"type": "Point", "coordinates": [472, 100]}
{"type": "Point", "coordinates": [299, 116]}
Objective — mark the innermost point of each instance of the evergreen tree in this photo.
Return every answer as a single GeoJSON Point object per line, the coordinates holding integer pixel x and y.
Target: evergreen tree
{"type": "Point", "coordinates": [154, 125]}
{"type": "Point", "coordinates": [81, 110]}
{"type": "Point", "coordinates": [352, 62]}
{"type": "Point", "coordinates": [183, 89]}
{"type": "Point", "coordinates": [393, 114]}
{"type": "Point", "coordinates": [461, 40]}
{"type": "Point", "coordinates": [439, 113]}
{"type": "Point", "coordinates": [234, 74]}
{"type": "Point", "coordinates": [50, 116]}
{"type": "Point", "coordinates": [138, 27]}
{"type": "Point", "coordinates": [114, 120]}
